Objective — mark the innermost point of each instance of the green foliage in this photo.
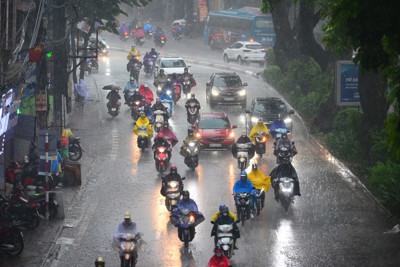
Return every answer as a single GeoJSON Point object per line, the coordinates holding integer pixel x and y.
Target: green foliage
{"type": "Point", "coordinates": [392, 124]}
{"type": "Point", "coordinates": [343, 142]}
{"type": "Point", "coordinates": [384, 180]}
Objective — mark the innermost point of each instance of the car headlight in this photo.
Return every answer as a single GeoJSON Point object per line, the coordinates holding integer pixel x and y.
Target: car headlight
{"type": "Point", "coordinates": [288, 120]}
{"type": "Point", "coordinates": [214, 92]}
{"type": "Point", "coordinates": [232, 135]}
{"type": "Point", "coordinates": [242, 92]}
{"type": "Point", "coordinates": [254, 119]}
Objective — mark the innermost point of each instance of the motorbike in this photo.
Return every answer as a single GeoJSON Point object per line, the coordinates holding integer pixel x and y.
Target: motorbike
{"type": "Point", "coordinates": [177, 92]}
{"type": "Point", "coordinates": [185, 223]}
{"type": "Point", "coordinates": [143, 140]}
{"type": "Point", "coordinates": [242, 156]}
{"type": "Point", "coordinates": [284, 153]}
{"type": "Point", "coordinates": [225, 239]}
{"type": "Point", "coordinates": [11, 237]}
{"type": "Point", "coordinates": [260, 196]}
{"type": "Point", "coordinates": [243, 204]}
{"type": "Point", "coordinates": [149, 67]}
{"type": "Point", "coordinates": [192, 113]}
{"type": "Point", "coordinates": [158, 120]}
{"type": "Point", "coordinates": [172, 194]}
{"type": "Point", "coordinates": [139, 41]}
{"type": "Point", "coordinates": [168, 104]}
{"type": "Point", "coordinates": [135, 70]}
{"type": "Point", "coordinates": [277, 133]}
{"type": "Point", "coordinates": [74, 148]}
{"type": "Point", "coordinates": [114, 111]}
{"type": "Point", "coordinates": [135, 108]}
{"type": "Point", "coordinates": [191, 154]}
{"type": "Point", "coordinates": [186, 85]}
{"type": "Point", "coordinates": [160, 85]}
{"type": "Point", "coordinates": [260, 142]}
{"type": "Point", "coordinates": [124, 36]}
{"type": "Point", "coordinates": [285, 191]}
{"type": "Point", "coordinates": [26, 213]}
{"type": "Point", "coordinates": [149, 34]}
{"type": "Point", "coordinates": [162, 159]}
{"type": "Point", "coordinates": [129, 245]}
{"type": "Point", "coordinates": [160, 41]}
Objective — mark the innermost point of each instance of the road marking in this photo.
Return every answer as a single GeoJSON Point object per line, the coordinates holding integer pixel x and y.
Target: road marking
{"type": "Point", "coordinates": [65, 241]}
{"type": "Point", "coordinates": [114, 141]}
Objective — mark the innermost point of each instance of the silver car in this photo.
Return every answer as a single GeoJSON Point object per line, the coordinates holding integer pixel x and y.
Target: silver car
{"type": "Point", "coordinates": [245, 52]}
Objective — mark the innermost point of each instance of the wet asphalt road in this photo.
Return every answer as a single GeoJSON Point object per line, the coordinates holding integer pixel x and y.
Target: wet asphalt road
{"type": "Point", "coordinates": [334, 223]}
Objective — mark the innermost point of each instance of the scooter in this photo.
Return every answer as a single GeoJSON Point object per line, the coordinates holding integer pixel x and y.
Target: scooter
{"type": "Point", "coordinates": [177, 92]}
{"type": "Point", "coordinates": [242, 156]}
{"type": "Point", "coordinates": [260, 142]}
{"type": "Point", "coordinates": [11, 237]}
{"type": "Point", "coordinates": [285, 191]}
{"type": "Point", "coordinates": [143, 138]}
{"type": "Point", "coordinates": [186, 222]}
{"type": "Point", "coordinates": [225, 239]}
{"type": "Point", "coordinates": [260, 196]}
{"type": "Point", "coordinates": [161, 159]}
{"type": "Point", "coordinates": [284, 153]}
{"type": "Point", "coordinates": [114, 111]}
{"type": "Point", "coordinates": [192, 112]}
{"type": "Point", "coordinates": [186, 85]}
{"type": "Point", "coordinates": [243, 204]}
{"type": "Point", "coordinates": [128, 245]}
{"type": "Point", "coordinates": [158, 120]}
{"type": "Point", "coordinates": [191, 154]}
{"type": "Point", "coordinates": [74, 149]}
{"type": "Point", "coordinates": [172, 194]}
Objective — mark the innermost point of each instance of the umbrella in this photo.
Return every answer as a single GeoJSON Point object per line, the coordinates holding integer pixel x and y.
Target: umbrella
{"type": "Point", "coordinates": [112, 87]}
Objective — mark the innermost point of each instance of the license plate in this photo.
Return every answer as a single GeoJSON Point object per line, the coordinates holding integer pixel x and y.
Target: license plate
{"type": "Point", "coordinates": [229, 98]}
{"type": "Point", "coordinates": [113, 109]}
{"type": "Point", "coordinates": [215, 145]}
{"type": "Point", "coordinates": [162, 42]}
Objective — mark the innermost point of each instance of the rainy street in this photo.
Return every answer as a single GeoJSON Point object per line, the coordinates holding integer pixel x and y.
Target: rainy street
{"type": "Point", "coordinates": [335, 222]}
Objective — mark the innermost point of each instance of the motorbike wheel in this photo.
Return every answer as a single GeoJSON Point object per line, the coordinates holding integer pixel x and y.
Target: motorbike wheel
{"type": "Point", "coordinates": [243, 216]}
{"type": "Point", "coordinates": [258, 207]}
{"type": "Point", "coordinates": [75, 152]}
{"type": "Point", "coordinates": [18, 244]}
{"type": "Point", "coordinates": [228, 253]}
{"type": "Point", "coordinates": [168, 204]}
{"type": "Point", "coordinates": [285, 202]}
{"type": "Point", "coordinates": [34, 222]}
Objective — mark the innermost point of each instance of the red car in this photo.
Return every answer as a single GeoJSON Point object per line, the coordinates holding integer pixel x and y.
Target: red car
{"type": "Point", "coordinates": [214, 130]}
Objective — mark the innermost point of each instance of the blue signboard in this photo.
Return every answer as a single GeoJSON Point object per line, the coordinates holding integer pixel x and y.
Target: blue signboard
{"type": "Point", "coordinates": [347, 84]}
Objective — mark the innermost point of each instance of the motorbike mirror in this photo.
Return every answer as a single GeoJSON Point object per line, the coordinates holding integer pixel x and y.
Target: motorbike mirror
{"type": "Point", "coordinates": [293, 143]}
{"type": "Point", "coordinates": [245, 84]}
{"type": "Point", "coordinates": [183, 178]}
{"type": "Point", "coordinates": [234, 126]}
{"type": "Point", "coordinates": [291, 111]}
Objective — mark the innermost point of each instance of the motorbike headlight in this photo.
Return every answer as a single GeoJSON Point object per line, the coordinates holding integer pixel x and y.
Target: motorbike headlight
{"type": "Point", "coordinates": [191, 219]}
{"type": "Point", "coordinates": [137, 103]}
{"type": "Point", "coordinates": [191, 144]}
{"type": "Point", "coordinates": [173, 184]}
{"type": "Point", "coordinates": [168, 92]}
{"type": "Point", "coordinates": [264, 139]}
{"type": "Point", "coordinates": [159, 88]}
{"type": "Point", "coordinates": [254, 119]}
{"type": "Point", "coordinates": [287, 120]}
{"type": "Point", "coordinates": [214, 92]}
{"type": "Point", "coordinates": [242, 92]}
{"type": "Point", "coordinates": [162, 150]}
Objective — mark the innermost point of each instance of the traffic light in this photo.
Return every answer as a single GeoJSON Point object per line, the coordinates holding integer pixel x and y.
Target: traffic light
{"type": "Point", "coordinates": [50, 55]}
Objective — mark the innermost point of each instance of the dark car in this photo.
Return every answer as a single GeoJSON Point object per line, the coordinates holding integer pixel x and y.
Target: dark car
{"type": "Point", "coordinates": [268, 108]}
{"type": "Point", "coordinates": [226, 88]}
{"type": "Point", "coordinates": [214, 130]}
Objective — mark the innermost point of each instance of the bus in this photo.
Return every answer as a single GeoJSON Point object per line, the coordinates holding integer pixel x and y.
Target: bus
{"type": "Point", "coordinates": [224, 27]}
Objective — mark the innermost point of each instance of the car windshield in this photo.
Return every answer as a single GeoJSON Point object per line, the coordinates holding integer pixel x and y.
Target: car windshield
{"type": "Point", "coordinates": [173, 63]}
{"type": "Point", "coordinates": [213, 123]}
{"type": "Point", "coordinates": [254, 46]}
{"type": "Point", "coordinates": [227, 81]}
{"type": "Point", "coordinates": [270, 107]}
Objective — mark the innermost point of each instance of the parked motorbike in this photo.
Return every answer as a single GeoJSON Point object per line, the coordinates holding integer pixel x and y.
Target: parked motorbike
{"type": "Point", "coordinates": [192, 112]}
{"type": "Point", "coordinates": [243, 206]}
{"type": "Point", "coordinates": [74, 149]}
{"type": "Point", "coordinates": [191, 153]}
{"type": "Point", "coordinates": [162, 159]}
{"type": "Point", "coordinates": [143, 140]}
{"type": "Point", "coordinates": [260, 196]}
{"type": "Point", "coordinates": [260, 142]}
{"type": "Point", "coordinates": [11, 237]}
{"type": "Point", "coordinates": [129, 245]}
{"type": "Point", "coordinates": [225, 239]}
{"type": "Point", "coordinates": [242, 156]}
{"type": "Point", "coordinates": [158, 120]}
{"type": "Point", "coordinates": [172, 194]}
{"type": "Point", "coordinates": [26, 213]}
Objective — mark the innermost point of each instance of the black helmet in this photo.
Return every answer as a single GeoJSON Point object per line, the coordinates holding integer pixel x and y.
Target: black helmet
{"type": "Point", "coordinates": [243, 175]}
{"type": "Point", "coordinates": [225, 211]}
{"type": "Point", "coordinates": [185, 194]}
{"type": "Point", "coordinates": [190, 131]}
{"type": "Point", "coordinates": [254, 166]}
{"type": "Point", "coordinates": [192, 96]}
{"type": "Point", "coordinates": [222, 207]}
{"type": "Point", "coordinates": [166, 124]}
{"type": "Point", "coordinates": [158, 100]}
{"type": "Point", "coordinates": [99, 262]}
{"type": "Point", "coordinates": [136, 92]}
{"type": "Point", "coordinates": [153, 50]}
{"type": "Point", "coordinates": [185, 70]}
{"type": "Point", "coordinates": [244, 134]}
{"type": "Point", "coordinates": [173, 170]}
{"type": "Point", "coordinates": [162, 71]}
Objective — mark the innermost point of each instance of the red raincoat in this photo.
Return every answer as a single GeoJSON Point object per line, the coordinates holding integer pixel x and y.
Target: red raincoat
{"type": "Point", "coordinates": [147, 93]}
{"type": "Point", "coordinates": [169, 135]}
{"type": "Point", "coordinates": [219, 261]}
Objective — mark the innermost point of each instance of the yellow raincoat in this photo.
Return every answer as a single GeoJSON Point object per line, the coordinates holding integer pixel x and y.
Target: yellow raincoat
{"type": "Point", "coordinates": [256, 128]}
{"type": "Point", "coordinates": [214, 217]}
{"type": "Point", "coordinates": [143, 122]}
{"type": "Point", "coordinates": [260, 180]}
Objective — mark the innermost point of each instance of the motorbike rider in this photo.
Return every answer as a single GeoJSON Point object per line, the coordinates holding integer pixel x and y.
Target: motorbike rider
{"type": "Point", "coordinates": [149, 112]}
{"type": "Point", "coordinates": [148, 27]}
{"type": "Point", "coordinates": [123, 29]}
{"type": "Point", "coordinates": [169, 134]}
{"type": "Point", "coordinates": [133, 53]}
{"type": "Point", "coordinates": [138, 32]}
{"type": "Point", "coordinates": [160, 140]}
{"type": "Point", "coordinates": [259, 180]}
{"type": "Point", "coordinates": [130, 85]}
{"type": "Point", "coordinates": [153, 53]}
{"type": "Point", "coordinates": [260, 126]}
{"type": "Point", "coordinates": [145, 91]}
{"type": "Point", "coordinates": [225, 217]}
{"type": "Point", "coordinates": [219, 259]}
{"type": "Point", "coordinates": [244, 139]}
{"type": "Point", "coordinates": [189, 138]}
{"type": "Point", "coordinates": [285, 141]}
{"type": "Point", "coordinates": [159, 32]}
{"type": "Point", "coordinates": [164, 97]}
{"type": "Point", "coordinates": [143, 121]}
{"type": "Point", "coordinates": [190, 76]}
{"type": "Point", "coordinates": [277, 123]}
{"type": "Point", "coordinates": [284, 170]}
{"type": "Point", "coordinates": [244, 185]}
{"type": "Point", "coordinates": [136, 96]}
{"type": "Point", "coordinates": [169, 85]}
{"type": "Point", "coordinates": [146, 59]}
{"type": "Point", "coordinates": [160, 78]}
{"type": "Point", "coordinates": [172, 176]}
{"type": "Point", "coordinates": [159, 106]}
{"type": "Point", "coordinates": [216, 214]}
{"type": "Point", "coordinates": [192, 99]}
{"type": "Point", "coordinates": [189, 204]}
{"type": "Point", "coordinates": [127, 226]}
{"type": "Point", "coordinates": [113, 100]}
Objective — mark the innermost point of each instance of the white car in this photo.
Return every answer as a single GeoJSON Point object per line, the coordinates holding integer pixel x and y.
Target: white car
{"type": "Point", "coordinates": [170, 65]}
{"type": "Point", "coordinates": [244, 52]}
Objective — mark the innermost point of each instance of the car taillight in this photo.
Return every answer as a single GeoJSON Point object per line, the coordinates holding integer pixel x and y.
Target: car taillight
{"type": "Point", "coordinates": [126, 33]}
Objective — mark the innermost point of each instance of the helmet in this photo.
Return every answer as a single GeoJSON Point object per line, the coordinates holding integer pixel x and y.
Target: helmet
{"type": "Point", "coordinates": [136, 92]}
{"type": "Point", "coordinates": [254, 166]}
{"type": "Point", "coordinates": [260, 120]}
{"type": "Point", "coordinates": [243, 175]}
{"type": "Point", "coordinates": [185, 194]}
{"type": "Point", "coordinates": [173, 170]}
{"type": "Point", "coordinates": [158, 100]}
{"type": "Point", "coordinates": [225, 211]}
{"type": "Point", "coordinates": [168, 80]}
{"type": "Point", "coordinates": [244, 134]}
{"type": "Point", "coordinates": [146, 85]}
{"type": "Point", "coordinates": [142, 114]}
{"type": "Point", "coordinates": [166, 124]}
{"type": "Point", "coordinates": [153, 50]}
{"type": "Point", "coordinates": [192, 96]}
{"type": "Point", "coordinates": [222, 207]}
{"type": "Point", "coordinates": [161, 71]}
{"type": "Point", "coordinates": [133, 47]}
{"type": "Point", "coordinates": [185, 70]}
{"type": "Point", "coordinates": [190, 131]}
{"type": "Point", "coordinates": [99, 262]}
{"type": "Point", "coordinates": [127, 215]}
{"type": "Point", "coordinates": [218, 251]}
{"type": "Point", "coordinates": [132, 79]}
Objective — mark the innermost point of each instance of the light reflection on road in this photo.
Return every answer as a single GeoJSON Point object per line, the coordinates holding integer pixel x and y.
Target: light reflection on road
{"type": "Point", "coordinates": [284, 241]}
